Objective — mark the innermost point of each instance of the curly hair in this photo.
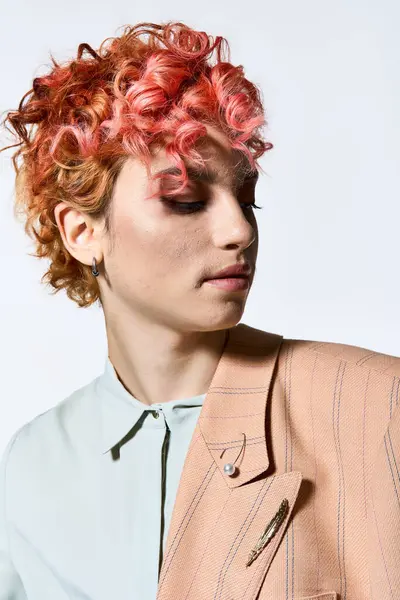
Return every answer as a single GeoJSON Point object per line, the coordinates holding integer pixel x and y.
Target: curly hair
{"type": "Point", "coordinates": [153, 86]}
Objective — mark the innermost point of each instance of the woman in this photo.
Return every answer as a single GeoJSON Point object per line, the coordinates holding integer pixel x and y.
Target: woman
{"type": "Point", "coordinates": [210, 460]}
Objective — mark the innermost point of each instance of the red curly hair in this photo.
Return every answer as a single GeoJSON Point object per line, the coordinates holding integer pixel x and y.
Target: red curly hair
{"type": "Point", "coordinates": [87, 115]}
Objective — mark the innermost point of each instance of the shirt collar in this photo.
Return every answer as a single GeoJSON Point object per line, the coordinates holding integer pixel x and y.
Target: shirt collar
{"type": "Point", "coordinates": [120, 410]}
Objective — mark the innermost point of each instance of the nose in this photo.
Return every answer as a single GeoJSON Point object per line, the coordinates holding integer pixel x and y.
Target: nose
{"type": "Point", "coordinates": [234, 225]}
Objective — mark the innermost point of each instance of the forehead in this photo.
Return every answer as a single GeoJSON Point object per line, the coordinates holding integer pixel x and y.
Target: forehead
{"type": "Point", "coordinates": [222, 163]}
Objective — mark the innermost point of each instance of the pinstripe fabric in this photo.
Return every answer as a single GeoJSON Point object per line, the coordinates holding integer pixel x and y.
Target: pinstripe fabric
{"type": "Point", "coordinates": [322, 425]}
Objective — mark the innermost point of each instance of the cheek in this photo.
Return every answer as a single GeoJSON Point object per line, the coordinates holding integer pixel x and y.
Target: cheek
{"type": "Point", "coordinates": [149, 257]}
{"type": "Point", "coordinates": [134, 253]}
{"type": "Point", "coordinates": [155, 255]}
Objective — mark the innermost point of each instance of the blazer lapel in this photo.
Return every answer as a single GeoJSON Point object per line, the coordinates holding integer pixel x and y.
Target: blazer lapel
{"type": "Point", "coordinates": [218, 519]}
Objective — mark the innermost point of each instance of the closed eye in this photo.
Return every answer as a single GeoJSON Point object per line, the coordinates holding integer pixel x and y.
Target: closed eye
{"type": "Point", "coordinates": [177, 206]}
{"type": "Point", "coordinates": [192, 207]}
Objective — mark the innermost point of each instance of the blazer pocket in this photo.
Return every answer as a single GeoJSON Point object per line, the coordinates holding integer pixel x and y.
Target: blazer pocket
{"type": "Point", "coordinates": [320, 596]}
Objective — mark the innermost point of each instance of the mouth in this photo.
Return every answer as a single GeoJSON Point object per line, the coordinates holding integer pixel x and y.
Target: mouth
{"type": "Point", "coordinates": [232, 271]}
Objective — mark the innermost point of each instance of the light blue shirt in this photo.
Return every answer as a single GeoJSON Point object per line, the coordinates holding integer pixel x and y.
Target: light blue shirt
{"type": "Point", "coordinates": [83, 497]}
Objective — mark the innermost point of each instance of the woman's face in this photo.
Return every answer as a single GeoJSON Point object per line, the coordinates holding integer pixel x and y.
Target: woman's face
{"type": "Point", "coordinates": [162, 249]}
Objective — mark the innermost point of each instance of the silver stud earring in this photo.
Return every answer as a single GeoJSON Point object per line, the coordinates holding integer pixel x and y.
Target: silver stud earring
{"type": "Point", "coordinates": [94, 268]}
{"type": "Point", "coordinates": [229, 468]}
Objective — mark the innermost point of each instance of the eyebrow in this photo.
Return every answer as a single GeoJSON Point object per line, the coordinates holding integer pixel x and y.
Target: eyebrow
{"type": "Point", "coordinates": [242, 172]}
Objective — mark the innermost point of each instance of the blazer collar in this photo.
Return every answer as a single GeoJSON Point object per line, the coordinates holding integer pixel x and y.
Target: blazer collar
{"type": "Point", "coordinates": [236, 402]}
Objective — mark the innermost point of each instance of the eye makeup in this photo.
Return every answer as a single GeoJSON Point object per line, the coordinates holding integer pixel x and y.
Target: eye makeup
{"type": "Point", "coordinates": [176, 203]}
{"type": "Point", "coordinates": [193, 207]}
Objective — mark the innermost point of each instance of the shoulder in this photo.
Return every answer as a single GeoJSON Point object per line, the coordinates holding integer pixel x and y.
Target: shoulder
{"type": "Point", "coordinates": [45, 437]}
{"type": "Point", "coordinates": [360, 383]}
{"type": "Point", "coordinates": [366, 381]}
{"type": "Point", "coordinates": [357, 357]}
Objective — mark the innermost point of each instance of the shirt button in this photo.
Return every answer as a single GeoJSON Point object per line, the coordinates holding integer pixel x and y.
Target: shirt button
{"type": "Point", "coordinates": [155, 413]}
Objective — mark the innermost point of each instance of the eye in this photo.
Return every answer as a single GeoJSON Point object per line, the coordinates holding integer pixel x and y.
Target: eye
{"type": "Point", "coordinates": [192, 207]}
{"type": "Point", "coordinates": [246, 190]}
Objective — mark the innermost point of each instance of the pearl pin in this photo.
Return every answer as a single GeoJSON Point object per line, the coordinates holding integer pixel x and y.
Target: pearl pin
{"type": "Point", "coordinates": [229, 469]}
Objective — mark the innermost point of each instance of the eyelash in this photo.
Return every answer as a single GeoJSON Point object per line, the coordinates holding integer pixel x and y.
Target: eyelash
{"type": "Point", "coordinates": [186, 207]}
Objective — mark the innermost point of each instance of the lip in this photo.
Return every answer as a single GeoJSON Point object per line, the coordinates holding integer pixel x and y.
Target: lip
{"type": "Point", "coordinates": [232, 284]}
{"type": "Point", "coordinates": [237, 270]}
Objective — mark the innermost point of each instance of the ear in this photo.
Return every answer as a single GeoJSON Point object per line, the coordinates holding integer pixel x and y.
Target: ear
{"type": "Point", "coordinates": [79, 232]}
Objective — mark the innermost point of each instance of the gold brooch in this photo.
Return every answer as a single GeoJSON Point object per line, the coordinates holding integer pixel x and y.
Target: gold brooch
{"type": "Point", "coordinates": [269, 531]}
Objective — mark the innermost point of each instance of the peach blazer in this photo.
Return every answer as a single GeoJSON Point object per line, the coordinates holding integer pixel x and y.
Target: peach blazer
{"type": "Point", "coordinates": [320, 469]}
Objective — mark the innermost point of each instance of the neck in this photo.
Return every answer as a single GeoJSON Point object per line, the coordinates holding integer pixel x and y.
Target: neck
{"type": "Point", "coordinates": [157, 364]}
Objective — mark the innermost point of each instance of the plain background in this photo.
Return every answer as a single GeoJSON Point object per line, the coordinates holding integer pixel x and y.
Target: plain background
{"type": "Point", "coordinates": [328, 253]}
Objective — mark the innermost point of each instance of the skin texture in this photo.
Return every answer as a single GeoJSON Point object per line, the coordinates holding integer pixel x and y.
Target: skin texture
{"type": "Point", "coordinates": [165, 327]}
